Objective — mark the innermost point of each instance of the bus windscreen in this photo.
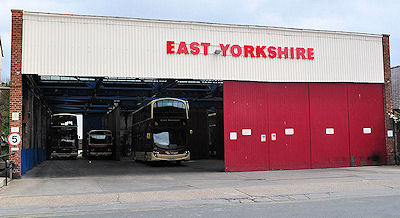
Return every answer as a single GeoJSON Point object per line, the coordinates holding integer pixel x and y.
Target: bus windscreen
{"type": "Point", "coordinates": [63, 120]}
{"type": "Point", "coordinates": [171, 139]}
{"type": "Point", "coordinates": [169, 109]}
{"type": "Point", "coordinates": [169, 103]}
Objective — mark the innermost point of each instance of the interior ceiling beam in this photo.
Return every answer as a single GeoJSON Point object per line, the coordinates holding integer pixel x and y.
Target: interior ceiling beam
{"type": "Point", "coordinates": [83, 105]}
{"type": "Point", "coordinates": [156, 88]}
{"type": "Point", "coordinates": [84, 95]}
{"type": "Point", "coordinates": [79, 111]}
{"type": "Point", "coordinates": [64, 100]}
{"type": "Point", "coordinates": [64, 87]}
{"type": "Point", "coordinates": [124, 100]}
{"type": "Point", "coordinates": [67, 107]}
{"type": "Point", "coordinates": [100, 87]}
{"type": "Point", "coordinates": [161, 87]}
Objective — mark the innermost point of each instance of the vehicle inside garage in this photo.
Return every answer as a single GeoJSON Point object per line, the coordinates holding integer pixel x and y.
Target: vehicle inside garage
{"type": "Point", "coordinates": [108, 104]}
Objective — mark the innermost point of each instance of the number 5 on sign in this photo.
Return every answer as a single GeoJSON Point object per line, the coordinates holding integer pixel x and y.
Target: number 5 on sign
{"type": "Point", "coordinates": [14, 139]}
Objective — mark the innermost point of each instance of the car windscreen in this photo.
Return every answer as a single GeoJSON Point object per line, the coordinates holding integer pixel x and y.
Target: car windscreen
{"type": "Point", "coordinates": [100, 139]}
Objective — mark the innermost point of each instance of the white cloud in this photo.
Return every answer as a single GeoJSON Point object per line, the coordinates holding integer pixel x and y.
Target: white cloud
{"type": "Point", "coordinates": [271, 19]}
{"type": "Point", "coordinates": [252, 5]}
{"type": "Point", "coordinates": [322, 23]}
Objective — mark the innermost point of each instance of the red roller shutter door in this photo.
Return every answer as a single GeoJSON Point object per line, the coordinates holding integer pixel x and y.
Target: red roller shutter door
{"type": "Point", "coordinates": [367, 127]}
{"type": "Point", "coordinates": [329, 125]}
{"type": "Point", "coordinates": [289, 119]}
{"type": "Point", "coordinates": [244, 108]}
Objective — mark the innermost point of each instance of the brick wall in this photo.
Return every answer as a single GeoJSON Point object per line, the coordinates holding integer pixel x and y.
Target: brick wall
{"type": "Point", "coordinates": [16, 83]}
{"type": "Point", "coordinates": [387, 96]}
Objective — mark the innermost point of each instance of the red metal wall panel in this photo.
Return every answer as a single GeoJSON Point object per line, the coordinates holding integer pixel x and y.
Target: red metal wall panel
{"type": "Point", "coordinates": [244, 106]}
{"type": "Point", "coordinates": [366, 111]}
{"type": "Point", "coordinates": [328, 109]}
{"type": "Point", "coordinates": [288, 109]}
{"type": "Point", "coordinates": [265, 108]}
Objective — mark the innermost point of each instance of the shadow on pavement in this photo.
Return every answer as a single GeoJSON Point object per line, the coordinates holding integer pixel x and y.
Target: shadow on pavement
{"type": "Point", "coordinates": [82, 168]}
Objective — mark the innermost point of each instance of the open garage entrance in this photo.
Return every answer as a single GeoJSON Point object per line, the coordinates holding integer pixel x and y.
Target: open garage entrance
{"type": "Point", "coordinates": [107, 104]}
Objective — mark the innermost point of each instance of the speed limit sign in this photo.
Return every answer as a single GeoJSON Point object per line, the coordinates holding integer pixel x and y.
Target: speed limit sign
{"type": "Point", "coordinates": [14, 139]}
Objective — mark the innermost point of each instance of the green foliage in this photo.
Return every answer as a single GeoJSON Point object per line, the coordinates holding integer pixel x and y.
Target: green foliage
{"type": "Point", "coordinates": [5, 127]}
{"type": "Point", "coordinates": [4, 111]}
{"type": "Point", "coordinates": [396, 118]}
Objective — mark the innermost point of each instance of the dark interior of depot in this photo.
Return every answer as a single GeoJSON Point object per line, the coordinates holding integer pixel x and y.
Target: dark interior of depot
{"type": "Point", "coordinates": [108, 104]}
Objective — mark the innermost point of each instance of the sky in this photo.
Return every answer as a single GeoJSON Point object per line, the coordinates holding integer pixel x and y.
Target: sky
{"type": "Point", "coordinates": [366, 16]}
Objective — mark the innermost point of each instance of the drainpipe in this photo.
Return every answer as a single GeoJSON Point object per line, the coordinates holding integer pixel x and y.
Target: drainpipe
{"type": "Point", "coordinates": [396, 155]}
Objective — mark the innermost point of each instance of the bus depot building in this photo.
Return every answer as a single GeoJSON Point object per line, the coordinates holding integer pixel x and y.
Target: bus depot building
{"type": "Point", "coordinates": [261, 98]}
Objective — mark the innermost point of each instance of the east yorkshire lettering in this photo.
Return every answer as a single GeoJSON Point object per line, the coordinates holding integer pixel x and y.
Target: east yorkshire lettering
{"type": "Point", "coordinates": [195, 48]}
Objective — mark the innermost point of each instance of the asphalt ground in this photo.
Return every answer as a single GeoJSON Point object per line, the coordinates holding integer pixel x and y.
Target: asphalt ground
{"type": "Point", "coordinates": [82, 188]}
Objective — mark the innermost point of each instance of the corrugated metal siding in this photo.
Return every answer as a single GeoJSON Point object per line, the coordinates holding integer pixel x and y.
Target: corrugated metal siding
{"type": "Point", "coordinates": [329, 109]}
{"type": "Point", "coordinates": [117, 47]}
{"type": "Point", "coordinates": [245, 108]}
{"type": "Point", "coordinates": [268, 108]}
{"type": "Point", "coordinates": [288, 109]}
{"type": "Point", "coordinates": [1, 57]}
{"type": "Point", "coordinates": [396, 87]}
{"type": "Point", "coordinates": [1, 51]}
{"type": "Point", "coordinates": [366, 110]}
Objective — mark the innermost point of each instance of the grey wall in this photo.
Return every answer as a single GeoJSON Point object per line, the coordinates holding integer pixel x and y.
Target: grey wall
{"type": "Point", "coordinates": [396, 87]}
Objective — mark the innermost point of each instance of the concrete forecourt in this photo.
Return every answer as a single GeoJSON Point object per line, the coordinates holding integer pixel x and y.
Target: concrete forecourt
{"type": "Point", "coordinates": [80, 188]}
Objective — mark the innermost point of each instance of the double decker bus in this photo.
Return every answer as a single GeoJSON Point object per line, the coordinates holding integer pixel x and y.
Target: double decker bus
{"type": "Point", "coordinates": [63, 137]}
{"type": "Point", "coordinates": [100, 143]}
{"type": "Point", "coordinates": [160, 131]}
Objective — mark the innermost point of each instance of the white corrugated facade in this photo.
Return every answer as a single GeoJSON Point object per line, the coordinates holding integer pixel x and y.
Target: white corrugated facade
{"type": "Point", "coordinates": [72, 45]}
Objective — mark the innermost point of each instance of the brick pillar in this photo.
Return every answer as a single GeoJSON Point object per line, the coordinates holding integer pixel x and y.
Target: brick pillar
{"type": "Point", "coordinates": [387, 97]}
{"type": "Point", "coordinates": [16, 84]}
